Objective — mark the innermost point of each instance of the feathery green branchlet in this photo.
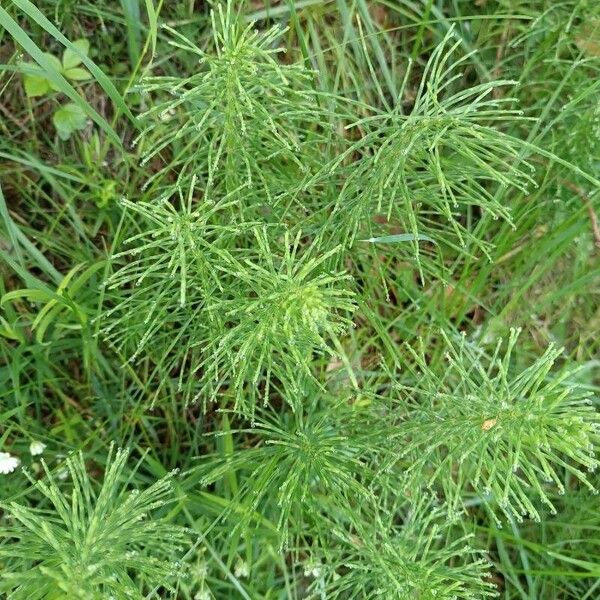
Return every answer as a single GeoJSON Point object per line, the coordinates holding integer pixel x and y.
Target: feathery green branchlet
{"type": "Point", "coordinates": [298, 464]}
{"type": "Point", "coordinates": [286, 306]}
{"type": "Point", "coordinates": [507, 434]}
{"type": "Point", "coordinates": [244, 122]}
{"type": "Point", "coordinates": [170, 268]}
{"type": "Point", "coordinates": [89, 544]}
{"type": "Point", "coordinates": [404, 553]}
{"type": "Point", "coordinates": [420, 170]}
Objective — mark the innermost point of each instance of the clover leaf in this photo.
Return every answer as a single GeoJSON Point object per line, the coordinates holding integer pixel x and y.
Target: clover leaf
{"type": "Point", "coordinates": [35, 80]}
{"type": "Point", "coordinates": [68, 119]}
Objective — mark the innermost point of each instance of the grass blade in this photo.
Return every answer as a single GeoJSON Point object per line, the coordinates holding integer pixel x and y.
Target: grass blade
{"type": "Point", "coordinates": [105, 83]}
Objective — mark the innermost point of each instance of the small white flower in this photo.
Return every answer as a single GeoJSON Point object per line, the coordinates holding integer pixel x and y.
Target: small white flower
{"type": "Point", "coordinates": [8, 463]}
{"type": "Point", "coordinates": [36, 448]}
{"type": "Point", "coordinates": [241, 569]}
{"type": "Point", "coordinates": [312, 569]}
{"type": "Point", "coordinates": [200, 571]}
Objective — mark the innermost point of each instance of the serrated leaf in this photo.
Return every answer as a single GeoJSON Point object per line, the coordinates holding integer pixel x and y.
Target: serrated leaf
{"type": "Point", "coordinates": [54, 61]}
{"type": "Point", "coordinates": [68, 119]}
{"type": "Point", "coordinates": [56, 65]}
{"type": "Point", "coordinates": [71, 58]}
{"type": "Point", "coordinates": [77, 74]}
{"type": "Point", "coordinates": [36, 85]}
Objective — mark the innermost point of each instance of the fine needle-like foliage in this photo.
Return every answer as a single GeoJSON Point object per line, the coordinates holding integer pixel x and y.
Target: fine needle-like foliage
{"type": "Point", "coordinates": [243, 235]}
{"type": "Point", "coordinates": [405, 553]}
{"type": "Point", "coordinates": [243, 121]}
{"type": "Point", "coordinates": [171, 267]}
{"type": "Point", "coordinates": [422, 169]}
{"type": "Point", "coordinates": [287, 306]}
{"type": "Point", "coordinates": [507, 434]}
{"type": "Point", "coordinates": [298, 463]}
{"type": "Point", "coordinates": [90, 544]}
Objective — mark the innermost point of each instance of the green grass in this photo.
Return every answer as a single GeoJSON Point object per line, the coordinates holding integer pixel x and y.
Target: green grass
{"type": "Point", "coordinates": [286, 250]}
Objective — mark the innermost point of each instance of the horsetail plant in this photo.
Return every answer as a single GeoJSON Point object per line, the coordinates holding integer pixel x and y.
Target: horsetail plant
{"type": "Point", "coordinates": [171, 268]}
{"type": "Point", "coordinates": [309, 191]}
{"type": "Point", "coordinates": [405, 552]}
{"type": "Point", "coordinates": [287, 307]}
{"type": "Point", "coordinates": [507, 435]}
{"type": "Point", "coordinates": [89, 544]}
{"type": "Point", "coordinates": [298, 462]}
{"type": "Point", "coordinates": [244, 123]}
{"type": "Point", "coordinates": [421, 170]}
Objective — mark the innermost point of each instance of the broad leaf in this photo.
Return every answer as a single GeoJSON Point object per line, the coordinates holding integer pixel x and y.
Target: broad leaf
{"type": "Point", "coordinates": [36, 85]}
{"type": "Point", "coordinates": [71, 58]}
{"type": "Point", "coordinates": [29, 46]}
{"type": "Point", "coordinates": [77, 74]}
{"type": "Point", "coordinates": [68, 119]}
{"type": "Point", "coordinates": [56, 64]}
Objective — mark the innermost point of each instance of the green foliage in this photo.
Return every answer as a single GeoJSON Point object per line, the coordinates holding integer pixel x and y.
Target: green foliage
{"type": "Point", "coordinates": [243, 122]}
{"type": "Point", "coordinates": [261, 277]}
{"type": "Point", "coordinates": [282, 309]}
{"type": "Point", "coordinates": [298, 464]}
{"type": "Point", "coordinates": [482, 425]}
{"type": "Point", "coordinates": [68, 119]}
{"type": "Point", "coordinates": [440, 157]}
{"type": "Point", "coordinates": [418, 558]}
{"type": "Point", "coordinates": [37, 84]}
{"type": "Point", "coordinates": [173, 263]}
{"type": "Point", "coordinates": [91, 544]}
